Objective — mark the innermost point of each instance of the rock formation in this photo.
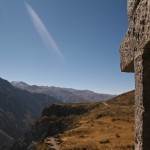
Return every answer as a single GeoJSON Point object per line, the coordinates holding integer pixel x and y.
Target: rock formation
{"type": "Point", "coordinates": [135, 57]}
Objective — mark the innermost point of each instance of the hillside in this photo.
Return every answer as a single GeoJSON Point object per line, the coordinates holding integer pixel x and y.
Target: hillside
{"type": "Point", "coordinates": [67, 95]}
{"type": "Point", "coordinates": [108, 126]}
{"type": "Point", "coordinates": [18, 110]}
{"type": "Point", "coordinates": [5, 141]}
{"type": "Point", "coordinates": [90, 126]}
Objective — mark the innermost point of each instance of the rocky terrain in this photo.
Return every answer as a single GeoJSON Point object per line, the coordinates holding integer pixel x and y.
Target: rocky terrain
{"type": "Point", "coordinates": [90, 126]}
{"type": "Point", "coordinates": [18, 111]}
{"type": "Point", "coordinates": [67, 95]}
{"type": "Point", "coordinates": [55, 119]}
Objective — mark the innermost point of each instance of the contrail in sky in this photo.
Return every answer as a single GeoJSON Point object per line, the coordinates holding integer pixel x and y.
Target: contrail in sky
{"type": "Point", "coordinates": [43, 32]}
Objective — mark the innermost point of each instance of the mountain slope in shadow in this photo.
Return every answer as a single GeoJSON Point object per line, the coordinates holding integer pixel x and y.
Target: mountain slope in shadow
{"type": "Point", "coordinates": [19, 109]}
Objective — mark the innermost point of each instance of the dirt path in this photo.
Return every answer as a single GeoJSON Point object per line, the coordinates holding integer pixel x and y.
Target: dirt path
{"type": "Point", "coordinates": [105, 103]}
{"type": "Point", "coordinates": [53, 143]}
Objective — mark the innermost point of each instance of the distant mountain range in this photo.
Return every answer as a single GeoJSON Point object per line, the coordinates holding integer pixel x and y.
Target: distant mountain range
{"type": "Point", "coordinates": [66, 95]}
{"type": "Point", "coordinates": [18, 111]}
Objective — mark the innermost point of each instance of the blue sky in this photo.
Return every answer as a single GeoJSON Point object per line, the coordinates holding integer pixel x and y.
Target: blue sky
{"type": "Point", "coordinates": [64, 43]}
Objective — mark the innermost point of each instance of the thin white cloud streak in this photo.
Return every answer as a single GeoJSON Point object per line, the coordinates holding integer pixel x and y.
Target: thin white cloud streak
{"type": "Point", "coordinates": [43, 32]}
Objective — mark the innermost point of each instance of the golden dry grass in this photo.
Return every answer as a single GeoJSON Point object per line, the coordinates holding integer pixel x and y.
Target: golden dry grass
{"type": "Point", "coordinates": [42, 146]}
{"type": "Point", "coordinates": [108, 126]}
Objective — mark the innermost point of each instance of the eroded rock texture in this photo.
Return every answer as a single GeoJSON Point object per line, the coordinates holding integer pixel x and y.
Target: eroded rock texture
{"type": "Point", "coordinates": [138, 34]}
{"type": "Point", "coordinates": [135, 57]}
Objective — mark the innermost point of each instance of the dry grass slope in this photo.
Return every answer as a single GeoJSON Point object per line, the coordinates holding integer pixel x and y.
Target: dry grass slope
{"type": "Point", "coordinates": [108, 126]}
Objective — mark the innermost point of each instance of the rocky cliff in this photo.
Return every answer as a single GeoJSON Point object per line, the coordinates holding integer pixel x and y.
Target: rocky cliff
{"type": "Point", "coordinates": [55, 119]}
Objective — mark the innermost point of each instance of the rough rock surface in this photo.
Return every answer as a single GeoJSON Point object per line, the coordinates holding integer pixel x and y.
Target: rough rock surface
{"type": "Point", "coordinates": [138, 34]}
{"type": "Point", "coordinates": [135, 57]}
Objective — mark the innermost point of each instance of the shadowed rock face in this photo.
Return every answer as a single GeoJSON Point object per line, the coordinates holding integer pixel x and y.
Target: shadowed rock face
{"type": "Point", "coordinates": [135, 57]}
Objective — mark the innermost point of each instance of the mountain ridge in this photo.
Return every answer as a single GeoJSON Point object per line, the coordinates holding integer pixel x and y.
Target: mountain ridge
{"type": "Point", "coordinates": [67, 95]}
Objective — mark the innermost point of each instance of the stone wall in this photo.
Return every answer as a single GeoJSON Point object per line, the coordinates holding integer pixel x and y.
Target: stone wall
{"type": "Point", "coordinates": [135, 57]}
{"type": "Point", "coordinates": [138, 34]}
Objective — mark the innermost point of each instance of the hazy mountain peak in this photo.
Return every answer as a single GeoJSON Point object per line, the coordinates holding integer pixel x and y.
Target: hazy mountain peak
{"type": "Point", "coordinates": [20, 84]}
{"type": "Point", "coordinates": [67, 95]}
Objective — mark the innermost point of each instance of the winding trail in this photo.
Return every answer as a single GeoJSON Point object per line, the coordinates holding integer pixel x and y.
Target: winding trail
{"type": "Point", "coordinates": [54, 143]}
{"type": "Point", "coordinates": [105, 103]}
